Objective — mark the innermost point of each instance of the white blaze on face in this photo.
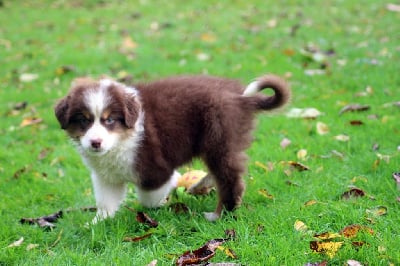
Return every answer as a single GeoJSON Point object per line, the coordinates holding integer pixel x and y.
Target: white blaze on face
{"type": "Point", "coordinates": [98, 140]}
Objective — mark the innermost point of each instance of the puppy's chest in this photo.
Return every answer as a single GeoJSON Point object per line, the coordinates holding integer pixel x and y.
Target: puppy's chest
{"type": "Point", "coordinates": [114, 167]}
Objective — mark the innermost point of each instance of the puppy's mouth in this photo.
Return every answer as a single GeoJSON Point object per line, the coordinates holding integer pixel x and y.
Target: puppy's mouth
{"type": "Point", "coordinates": [96, 151]}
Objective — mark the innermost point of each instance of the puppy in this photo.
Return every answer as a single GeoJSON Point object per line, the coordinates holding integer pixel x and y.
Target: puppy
{"type": "Point", "coordinates": [142, 133]}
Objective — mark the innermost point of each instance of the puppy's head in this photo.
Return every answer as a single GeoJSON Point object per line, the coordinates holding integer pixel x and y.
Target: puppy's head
{"type": "Point", "coordinates": [99, 114]}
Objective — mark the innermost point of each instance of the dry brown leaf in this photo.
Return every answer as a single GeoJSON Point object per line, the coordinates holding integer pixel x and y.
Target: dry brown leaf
{"type": "Point", "coordinates": [354, 108]}
{"type": "Point", "coordinates": [46, 222]}
{"type": "Point", "coordinates": [356, 123]}
{"type": "Point", "coordinates": [298, 166]}
{"type": "Point", "coordinates": [351, 231]}
{"type": "Point", "coordinates": [143, 218]}
{"type": "Point", "coordinates": [353, 193]}
{"type": "Point", "coordinates": [202, 254]}
{"type": "Point", "coordinates": [136, 238]}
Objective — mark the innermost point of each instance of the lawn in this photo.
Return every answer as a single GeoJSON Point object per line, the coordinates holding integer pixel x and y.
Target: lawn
{"type": "Point", "coordinates": [335, 54]}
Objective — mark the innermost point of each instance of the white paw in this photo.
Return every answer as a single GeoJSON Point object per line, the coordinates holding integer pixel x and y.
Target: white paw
{"type": "Point", "coordinates": [211, 216]}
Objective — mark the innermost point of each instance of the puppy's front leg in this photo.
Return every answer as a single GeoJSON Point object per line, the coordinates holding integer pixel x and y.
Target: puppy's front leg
{"type": "Point", "coordinates": [108, 197]}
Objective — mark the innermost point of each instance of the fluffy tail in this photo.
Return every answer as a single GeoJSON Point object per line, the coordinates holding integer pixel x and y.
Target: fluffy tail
{"type": "Point", "coordinates": [263, 102]}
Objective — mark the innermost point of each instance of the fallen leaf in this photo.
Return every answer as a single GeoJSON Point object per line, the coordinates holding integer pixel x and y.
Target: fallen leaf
{"type": "Point", "coordinates": [143, 218]}
{"type": "Point", "coordinates": [327, 236]}
{"type": "Point", "coordinates": [208, 37]}
{"type": "Point", "coordinates": [229, 252]}
{"type": "Point", "coordinates": [20, 105]}
{"type": "Point", "coordinates": [203, 56]}
{"type": "Point", "coordinates": [342, 138]}
{"type": "Point", "coordinates": [302, 154]}
{"type": "Point", "coordinates": [17, 174]}
{"type": "Point", "coordinates": [153, 263]}
{"type": "Point", "coordinates": [324, 263]}
{"type": "Point", "coordinates": [307, 113]}
{"type": "Point", "coordinates": [396, 177]}
{"type": "Point", "coordinates": [31, 246]}
{"type": "Point", "coordinates": [393, 7]}
{"type": "Point", "coordinates": [64, 70]}
{"type": "Point", "coordinates": [16, 243]}
{"type": "Point", "coordinates": [322, 128]}
{"type": "Point", "coordinates": [230, 234]}
{"type": "Point", "coordinates": [300, 226]}
{"type": "Point", "coordinates": [353, 193]}
{"type": "Point", "coordinates": [351, 231]}
{"type": "Point", "coordinates": [298, 166]}
{"type": "Point", "coordinates": [179, 207]}
{"type": "Point", "coordinates": [269, 167]}
{"type": "Point", "coordinates": [263, 192]}
{"type": "Point", "coordinates": [46, 222]}
{"type": "Point", "coordinates": [354, 108]}
{"type": "Point", "coordinates": [329, 248]}
{"type": "Point", "coordinates": [285, 142]}
{"type": "Point", "coordinates": [356, 123]}
{"type": "Point", "coordinates": [378, 211]}
{"type": "Point", "coordinates": [128, 44]}
{"type": "Point", "coordinates": [190, 178]}
{"type": "Point", "coordinates": [353, 263]}
{"type": "Point", "coordinates": [136, 238]}
{"type": "Point", "coordinates": [44, 152]}
{"type": "Point", "coordinates": [28, 77]}
{"type": "Point", "coordinates": [30, 121]}
{"type": "Point", "coordinates": [203, 187]}
{"type": "Point", "coordinates": [314, 72]}
{"type": "Point", "coordinates": [310, 203]}
{"type": "Point", "coordinates": [202, 254]}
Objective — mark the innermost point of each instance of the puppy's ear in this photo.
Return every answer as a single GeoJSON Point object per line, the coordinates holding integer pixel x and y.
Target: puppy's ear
{"type": "Point", "coordinates": [131, 110]}
{"type": "Point", "coordinates": [61, 112]}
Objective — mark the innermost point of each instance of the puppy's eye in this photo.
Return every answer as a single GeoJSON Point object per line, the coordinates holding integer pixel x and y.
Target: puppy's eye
{"type": "Point", "coordinates": [109, 121]}
{"type": "Point", "coordinates": [82, 120]}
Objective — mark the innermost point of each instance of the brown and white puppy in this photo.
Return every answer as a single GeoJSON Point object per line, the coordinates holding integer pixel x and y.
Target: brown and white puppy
{"type": "Point", "coordinates": [142, 133]}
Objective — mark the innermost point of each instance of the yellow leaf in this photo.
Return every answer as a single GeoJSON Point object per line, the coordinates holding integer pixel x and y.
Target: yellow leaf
{"type": "Point", "coordinates": [265, 193]}
{"type": "Point", "coordinates": [268, 168]}
{"type": "Point", "coordinates": [300, 226]}
{"type": "Point", "coordinates": [30, 121]}
{"type": "Point", "coordinates": [302, 154]}
{"type": "Point", "coordinates": [329, 248]}
{"type": "Point", "coordinates": [190, 178]}
{"type": "Point", "coordinates": [322, 128]}
{"type": "Point", "coordinates": [208, 37]}
{"type": "Point", "coordinates": [310, 202]}
{"type": "Point", "coordinates": [327, 236]}
{"type": "Point", "coordinates": [128, 43]}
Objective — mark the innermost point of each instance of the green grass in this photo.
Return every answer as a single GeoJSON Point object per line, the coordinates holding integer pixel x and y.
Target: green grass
{"type": "Point", "coordinates": [242, 40]}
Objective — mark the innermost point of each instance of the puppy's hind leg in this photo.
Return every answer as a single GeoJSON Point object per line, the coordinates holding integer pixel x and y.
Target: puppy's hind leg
{"type": "Point", "coordinates": [227, 170]}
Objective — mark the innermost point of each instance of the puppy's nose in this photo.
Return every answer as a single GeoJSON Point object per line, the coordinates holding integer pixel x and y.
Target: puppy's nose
{"type": "Point", "coordinates": [96, 143]}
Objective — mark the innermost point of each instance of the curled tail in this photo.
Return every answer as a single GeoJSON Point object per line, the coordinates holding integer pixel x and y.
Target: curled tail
{"type": "Point", "coordinates": [263, 102]}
